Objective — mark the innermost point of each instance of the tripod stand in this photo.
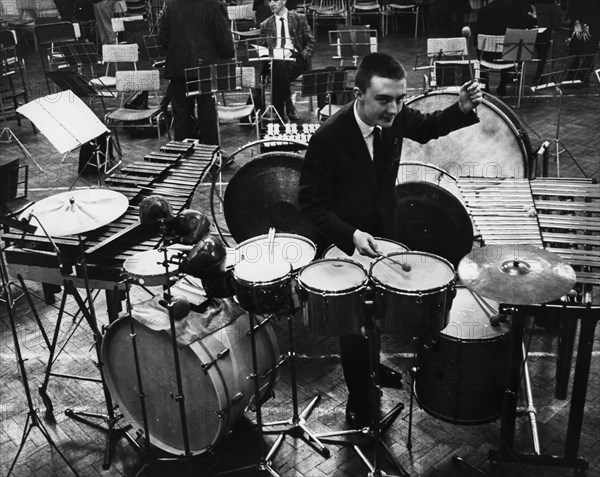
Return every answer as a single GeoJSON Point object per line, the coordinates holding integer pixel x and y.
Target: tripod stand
{"type": "Point", "coordinates": [378, 424]}
{"type": "Point", "coordinates": [33, 419]}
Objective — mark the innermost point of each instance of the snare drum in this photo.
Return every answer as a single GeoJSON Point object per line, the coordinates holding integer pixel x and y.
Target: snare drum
{"type": "Point", "coordinates": [216, 372]}
{"type": "Point", "coordinates": [385, 246]}
{"type": "Point", "coordinates": [147, 268]}
{"type": "Point", "coordinates": [413, 293]}
{"type": "Point", "coordinates": [332, 295]}
{"type": "Point", "coordinates": [263, 286]}
{"type": "Point", "coordinates": [463, 373]}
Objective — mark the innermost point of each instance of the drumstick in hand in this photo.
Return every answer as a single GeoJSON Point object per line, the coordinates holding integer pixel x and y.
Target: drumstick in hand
{"type": "Point", "coordinates": [466, 32]}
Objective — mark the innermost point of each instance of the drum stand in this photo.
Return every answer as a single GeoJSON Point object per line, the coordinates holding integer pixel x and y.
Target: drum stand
{"type": "Point", "coordinates": [378, 424]}
{"type": "Point", "coordinates": [32, 419]}
{"type": "Point", "coordinates": [148, 452]}
{"type": "Point", "coordinates": [296, 425]}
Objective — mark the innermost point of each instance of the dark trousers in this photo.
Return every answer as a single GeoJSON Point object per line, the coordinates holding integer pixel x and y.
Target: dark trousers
{"type": "Point", "coordinates": [354, 351]}
{"type": "Point", "coordinates": [184, 119]}
{"type": "Point", "coordinates": [285, 72]}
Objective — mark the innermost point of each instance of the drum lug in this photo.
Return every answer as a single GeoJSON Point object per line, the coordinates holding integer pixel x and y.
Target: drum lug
{"type": "Point", "coordinates": [206, 366]}
{"type": "Point", "coordinates": [237, 398]}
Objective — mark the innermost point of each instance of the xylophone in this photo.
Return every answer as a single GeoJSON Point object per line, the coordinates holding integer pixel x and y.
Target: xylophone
{"type": "Point", "coordinates": [174, 172]}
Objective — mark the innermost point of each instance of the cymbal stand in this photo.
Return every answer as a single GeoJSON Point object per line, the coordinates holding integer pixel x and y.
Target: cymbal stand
{"type": "Point", "coordinates": [110, 418]}
{"type": "Point", "coordinates": [33, 419]}
{"type": "Point", "coordinates": [263, 464]}
{"type": "Point", "coordinates": [378, 424]}
{"type": "Point", "coordinates": [296, 425]}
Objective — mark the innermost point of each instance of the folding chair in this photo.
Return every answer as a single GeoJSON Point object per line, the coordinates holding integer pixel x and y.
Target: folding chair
{"type": "Point", "coordinates": [133, 81]}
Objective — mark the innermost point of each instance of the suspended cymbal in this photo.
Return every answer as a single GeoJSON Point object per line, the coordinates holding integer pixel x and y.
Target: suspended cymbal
{"type": "Point", "coordinates": [516, 274]}
{"type": "Point", "coordinates": [264, 193]}
{"type": "Point", "coordinates": [77, 211]}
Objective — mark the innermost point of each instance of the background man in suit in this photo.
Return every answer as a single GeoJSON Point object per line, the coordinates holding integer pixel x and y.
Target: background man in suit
{"type": "Point", "coordinates": [298, 43]}
{"type": "Point", "coordinates": [347, 183]}
{"type": "Point", "coordinates": [194, 32]}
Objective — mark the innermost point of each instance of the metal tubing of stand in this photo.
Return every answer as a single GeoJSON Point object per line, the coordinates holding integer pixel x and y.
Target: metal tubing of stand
{"type": "Point", "coordinates": [32, 419]}
{"type": "Point", "coordinates": [180, 398]}
{"type": "Point", "coordinates": [298, 420]}
{"type": "Point", "coordinates": [531, 411]}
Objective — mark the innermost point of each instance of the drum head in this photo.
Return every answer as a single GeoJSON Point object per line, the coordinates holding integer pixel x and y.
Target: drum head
{"type": "Point", "coordinates": [261, 271]}
{"type": "Point", "coordinates": [386, 246]}
{"type": "Point", "coordinates": [332, 275]}
{"type": "Point", "coordinates": [431, 219]}
{"type": "Point", "coordinates": [497, 146]}
{"type": "Point", "coordinates": [412, 272]}
{"type": "Point", "coordinates": [296, 250]}
{"type": "Point", "coordinates": [148, 269]}
{"type": "Point", "coordinates": [263, 194]}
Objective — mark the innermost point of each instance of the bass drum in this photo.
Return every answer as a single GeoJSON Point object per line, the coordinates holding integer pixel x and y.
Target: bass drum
{"type": "Point", "coordinates": [495, 147]}
{"type": "Point", "coordinates": [463, 372]}
{"type": "Point", "coordinates": [216, 373]}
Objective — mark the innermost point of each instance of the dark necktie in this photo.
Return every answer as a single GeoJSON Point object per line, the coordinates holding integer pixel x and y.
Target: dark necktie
{"type": "Point", "coordinates": [378, 157]}
{"type": "Point", "coordinates": [282, 33]}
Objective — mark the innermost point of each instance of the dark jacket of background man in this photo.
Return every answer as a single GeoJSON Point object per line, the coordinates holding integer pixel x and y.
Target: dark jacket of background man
{"type": "Point", "coordinates": [194, 32]}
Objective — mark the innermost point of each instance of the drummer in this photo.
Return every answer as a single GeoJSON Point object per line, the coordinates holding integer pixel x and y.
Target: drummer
{"type": "Point", "coordinates": [347, 184]}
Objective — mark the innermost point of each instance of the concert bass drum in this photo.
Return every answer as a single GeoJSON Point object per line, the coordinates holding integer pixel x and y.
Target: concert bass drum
{"type": "Point", "coordinates": [497, 146]}
{"type": "Point", "coordinates": [216, 373]}
{"type": "Point", "coordinates": [463, 373]}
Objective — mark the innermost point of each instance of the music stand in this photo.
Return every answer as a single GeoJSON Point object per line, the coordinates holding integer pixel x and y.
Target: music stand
{"type": "Point", "coordinates": [326, 82]}
{"type": "Point", "coordinates": [353, 43]}
{"type": "Point", "coordinates": [518, 47]}
{"type": "Point", "coordinates": [560, 73]}
{"type": "Point", "coordinates": [68, 123]}
{"type": "Point", "coordinates": [264, 49]}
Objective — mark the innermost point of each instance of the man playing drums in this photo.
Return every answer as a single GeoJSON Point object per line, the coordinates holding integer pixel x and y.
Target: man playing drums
{"type": "Point", "coordinates": [348, 180]}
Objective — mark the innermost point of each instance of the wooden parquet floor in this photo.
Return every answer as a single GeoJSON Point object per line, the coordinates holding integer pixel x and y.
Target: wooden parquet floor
{"type": "Point", "coordinates": [434, 441]}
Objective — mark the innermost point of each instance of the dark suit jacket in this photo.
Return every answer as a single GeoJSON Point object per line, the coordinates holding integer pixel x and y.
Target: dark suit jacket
{"type": "Point", "coordinates": [302, 37]}
{"type": "Point", "coordinates": [193, 31]}
{"type": "Point", "coordinates": [339, 192]}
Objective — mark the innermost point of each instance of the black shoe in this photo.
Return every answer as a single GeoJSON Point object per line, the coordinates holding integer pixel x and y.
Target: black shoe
{"type": "Point", "coordinates": [357, 417]}
{"type": "Point", "coordinates": [388, 378]}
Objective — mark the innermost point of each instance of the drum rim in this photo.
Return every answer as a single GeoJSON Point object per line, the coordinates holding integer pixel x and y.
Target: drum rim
{"type": "Point", "coordinates": [382, 239]}
{"type": "Point", "coordinates": [281, 234]}
{"type": "Point", "coordinates": [345, 291]}
{"type": "Point", "coordinates": [266, 283]}
{"type": "Point", "coordinates": [429, 291]}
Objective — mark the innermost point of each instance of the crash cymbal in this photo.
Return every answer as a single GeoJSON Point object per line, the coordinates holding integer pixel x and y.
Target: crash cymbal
{"type": "Point", "coordinates": [262, 194]}
{"type": "Point", "coordinates": [517, 274]}
{"type": "Point", "coordinates": [76, 211]}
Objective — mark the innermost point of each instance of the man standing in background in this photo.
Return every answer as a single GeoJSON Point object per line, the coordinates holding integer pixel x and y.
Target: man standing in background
{"type": "Point", "coordinates": [104, 11]}
{"type": "Point", "coordinates": [194, 32]}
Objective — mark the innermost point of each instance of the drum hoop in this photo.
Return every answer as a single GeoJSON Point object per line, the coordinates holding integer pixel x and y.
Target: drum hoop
{"type": "Point", "coordinates": [427, 291]}
{"type": "Point", "coordinates": [426, 164]}
{"type": "Point", "coordinates": [266, 283]}
{"type": "Point", "coordinates": [345, 291]}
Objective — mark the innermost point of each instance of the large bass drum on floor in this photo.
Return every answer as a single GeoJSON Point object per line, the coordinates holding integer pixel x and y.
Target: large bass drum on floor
{"type": "Point", "coordinates": [216, 373]}
{"type": "Point", "coordinates": [495, 147]}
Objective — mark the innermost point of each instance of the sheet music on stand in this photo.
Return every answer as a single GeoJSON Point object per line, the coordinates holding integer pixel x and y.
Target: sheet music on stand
{"type": "Point", "coordinates": [64, 119]}
{"type": "Point", "coordinates": [266, 49]}
{"type": "Point", "coordinates": [518, 45]}
{"type": "Point", "coordinates": [353, 42]}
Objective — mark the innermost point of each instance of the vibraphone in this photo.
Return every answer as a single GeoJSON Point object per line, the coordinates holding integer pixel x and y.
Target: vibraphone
{"type": "Point", "coordinates": [174, 172]}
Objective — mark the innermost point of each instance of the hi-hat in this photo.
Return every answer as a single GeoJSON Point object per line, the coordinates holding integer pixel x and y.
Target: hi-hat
{"type": "Point", "coordinates": [76, 211]}
{"type": "Point", "coordinates": [517, 274]}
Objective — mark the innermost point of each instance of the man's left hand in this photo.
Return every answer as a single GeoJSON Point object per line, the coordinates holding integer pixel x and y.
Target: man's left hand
{"type": "Point", "coordinates": [470, 96]}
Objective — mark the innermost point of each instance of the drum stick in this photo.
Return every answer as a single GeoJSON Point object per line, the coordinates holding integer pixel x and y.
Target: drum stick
{"type": "Point", "coordinates": [404, 266]}
{"type": "Point", "coordinates": [466, 32]}
{"type": "Point", "coordinates": [271, 243]}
